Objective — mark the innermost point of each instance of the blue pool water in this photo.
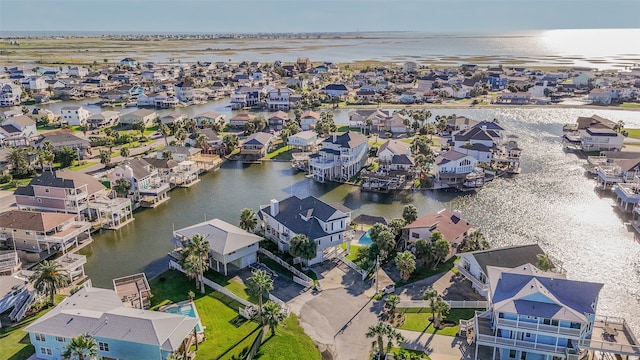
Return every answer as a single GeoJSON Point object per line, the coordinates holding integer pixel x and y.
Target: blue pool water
{"type": "Point", "coordinates": [186, 310]}
{"type": "Point", "coordinates": [365, 239]}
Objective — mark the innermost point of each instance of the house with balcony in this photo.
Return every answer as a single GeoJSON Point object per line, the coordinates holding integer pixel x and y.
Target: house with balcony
{"type": "Point", "coordinates": [304, 140]}
{"type": "Point", "coordinates": [239, 121]}
{"type": "Point", "coordinates": [455, 169]}
{"type": "Point", "coordinates": [18, 131]}
{"type": "Point", "coordinates": [64, 138]}
{"type": "Point", "coordinates": [120, 332]}
{"type": "Point", "coordinates": [598, 139]}
{"type": "Point", "coordinates": [16, 294]}
{"type": "Point", "coordinates": [210, 116]}
{"type": "Point", "coordinates": [327, 225]}
{"type": "Point", "coordinates": [278, 120]}
{"type": "Point", "coordinates": [160, 100]}
{"type": "Point", "coordinates": [145, 116]}
{"type": "Point", "coordinates": [341, 157]}
{"type": "Point", "coordinates": [229, 246]}
{"type": "Point", "coordinates": [72, 265]}
{"type": "Point", "coordinates": [450, 224]}
{"type": "Point", "coordinates": [36, 235]}
{"type": "Point", "coordinates": [74, 115]}
{"type": "Point", "coordinates": [309, 119]}
{"type": "Point", "coordinates": [148, 187]}
{"type": "Point", "coordinates": [256, 146]}
{"type": "Point", "coordinates": [278, 98]}
{"type": "Point", "coordinates": [473, 265]}
{"type": "Point", "coordinates": [479, 141]}
{"type": "Point", "coordinates": [395, 168]}
{"type": "Point", "coordinates": [245, 97]}
{"type": "Point", "coordinates": [375, 117]}
{"type": "Point", "coordinates": [212, 143]}
{"type": "Point", "coordinates": [10, 94]}
{"type": "Point", "coordinates": [10, 262]}
{"type": "Point", "coordinates": [103, 119]}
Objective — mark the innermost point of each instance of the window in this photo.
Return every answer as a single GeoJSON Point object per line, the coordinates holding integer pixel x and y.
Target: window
{"type": "Point", "coordinates": [546, 321]}
{"type": "Point", "coordinates": [39, 201]}
{"type": "Point", "coordinates": [27, 232]}
{"type": "Point", "coordinates": [46, 190]}
{"type": "Point", "coordinates": [415, 236]}
{"type": "Point", "coordinates": [103, 346]}
{"type": "Point", "coordinates": [60, 339]}
{"type": "Point", "coordinates": [501, 315]}
{"type": "Point", "coordinates": [46, 351]}
{"type": "Point", "coordinates": [40, 337]}
{"type": "Point", "coordinates": [554, 322]}
{"type": "Point", "coordinates": [523, 355]}
{"type": "Point", "coordinates": [512, 354]}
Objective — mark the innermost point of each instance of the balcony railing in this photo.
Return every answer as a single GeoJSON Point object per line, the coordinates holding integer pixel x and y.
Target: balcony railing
{"type": "Point", "coordinates": [473, 279]}
{"type": "Point", "coordinates": [518, 344]}
{"type": "Point", "coordinates": [537, 327]}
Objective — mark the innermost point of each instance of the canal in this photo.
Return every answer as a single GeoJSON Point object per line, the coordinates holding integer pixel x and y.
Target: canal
{"type": "Point", "coordinates": [551, 203]}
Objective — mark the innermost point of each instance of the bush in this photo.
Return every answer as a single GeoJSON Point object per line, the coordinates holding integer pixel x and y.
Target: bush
{"type": "Point", "coordinates": [5, 178]}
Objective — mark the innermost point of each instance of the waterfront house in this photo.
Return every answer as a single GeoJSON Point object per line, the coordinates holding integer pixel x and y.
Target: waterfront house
{"type": "Point", "coordinates": [74, 115]}
{"type": "Point", "coordinates": [174, 117]}
{"type": "Point", "coordinates": [600, 96]}
{"type": "Point", "coordinates": [160, 100]}
{"type": "Point", "coordinates": [335, 90]}
{"type": "Point", "coordinates": [10, 94]}
{"type": "Point", "coordinates": [598, 139]}
{"type": "Point", "coordinates": [497, 81]}
{"type": "Point", "coordinates": [278, 98]}
{"type": "Point", "coordinates": [210, 116]}
{"type": "Point", "coordinates": [73, 192]}
{"type": "Point", "coordinates": [454, 169]}
{"type": "Point", "coordinates": [341, 157]}
{"type": "Point", "coordinates": [180, 153]}
{"type": "Point", "coordinates": [304, 64]}
{"type": "Point", "coordinates": [240, 120]}
{"type": "Point", "coordinates": [459, 123]}
{"type": "Point", "coordinates": [618, 170]}
{"type": "Point", "coordinates": [64, 138]}
{"type": "Point", "coordinates": [16, 291]}
{"type": "Point", "coordinates": [513, 99]}
{"type": "Point", "coordinates": [375, 117]}
{"type": "Point", "coordinates": [134, 291]}
{"type": "Point", "coordinates": [148, 187]}
{"type": "Point", "coordinates": [145, 116]}
{"type": "Point", "coordinates": [120, 332]}
{"type": "Point", "coordinates": [9, 264]}
{"type": "Point", "coordinates": [304, 140]}
{"type": "Point", "coordinates": [256, 146]}
{"type": "Point", "coordinates": [36, 235]}
{"type": "Point", "coordinates": [212, 141]}
{"type": "Point", "coordinates": [409, 67]}
{"type": "Point", "coordinates": [479, 141]}
{"type": "Point", "coordinates": [323, 223]}
{"type": "Point", "coordinates": [184, 91]}
{"type": "Point", "coordinates": [78, 71]}
{"type": "Point", "coordinates": [103, 119]}
{"type": "Point", "coordinates": [309, 119]}
{"type": "Point", "coordinates": [473, 265]}
{"type": "Point", "coordinates": [394, 155]}
{"type": "Point", "coordinates": [451, 225]}
{"type": "Point", "coordinates": [229, 246]}
{"type": "Point", "coordinates": [245, 97]}
{"type": "Point", "coordinates": [278, 120]}
{"type": "Point", "coordinates": [18, 131]}
{"type": "Point", "coordinates": [131, 62]}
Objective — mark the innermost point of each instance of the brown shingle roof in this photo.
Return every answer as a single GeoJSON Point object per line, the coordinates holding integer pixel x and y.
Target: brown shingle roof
{"type": "Point", "coordinates": [450, 226]}
{"type": "Point", "coordinates": [32, 220]}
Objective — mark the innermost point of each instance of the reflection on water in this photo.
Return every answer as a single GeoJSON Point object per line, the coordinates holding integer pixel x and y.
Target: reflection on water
{"type": "Point", "coordinates": [551, 203]}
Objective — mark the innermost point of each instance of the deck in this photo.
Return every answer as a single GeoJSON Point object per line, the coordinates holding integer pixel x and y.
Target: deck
{"type": "Point", "coordinates": [612, 335]}
{"type": "Point", "coordinates": [134, 291]}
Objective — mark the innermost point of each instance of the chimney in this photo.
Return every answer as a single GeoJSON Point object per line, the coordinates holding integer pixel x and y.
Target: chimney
{"type": "Point", "coordinates": [275, 207]}
{"type": "Point", "coordinates": [335, 138]}
{"type": "Point", "coordinates": [458, 214]}
{"type": "Point", "coordinates": [484, 127]}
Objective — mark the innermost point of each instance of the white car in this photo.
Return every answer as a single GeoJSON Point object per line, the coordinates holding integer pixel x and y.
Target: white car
{"type": "Point", "coordinates": [389, 289]}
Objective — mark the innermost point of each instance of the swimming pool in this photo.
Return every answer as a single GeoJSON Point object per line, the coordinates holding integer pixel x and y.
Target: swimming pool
{"type": "Point", "coordinates": [186, 309]}
{"type": "Point", "coordinates": [365, 239]}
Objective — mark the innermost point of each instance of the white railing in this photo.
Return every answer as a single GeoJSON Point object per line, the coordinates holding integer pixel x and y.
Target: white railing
{"type": "Point", "coordinates": [537, 327]}
{"type": "Point", "coordinates": [282, 304]}
{"type": "Point", "coordinates": [363, 273]}
{"type": "Point", "coordinates": [308, 281]}
{"type": "Point", "coordinates": [473, 279]}
{"type": "Point", "coordinates": [454, 304]}
{"type": "Point", "coordinates": [521, 344]}
{"type": "Point", "coordinates": [608, 346]}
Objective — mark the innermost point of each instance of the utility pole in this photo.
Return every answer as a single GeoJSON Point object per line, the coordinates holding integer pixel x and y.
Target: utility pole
{"type": "Point", "coordinates": [377, 264]}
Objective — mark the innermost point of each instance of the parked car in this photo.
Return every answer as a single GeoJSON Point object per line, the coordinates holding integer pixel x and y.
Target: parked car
{"type": "Point", "coordinates": [389, 289]}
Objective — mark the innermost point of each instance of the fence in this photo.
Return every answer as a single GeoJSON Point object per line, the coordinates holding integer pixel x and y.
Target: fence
{"type": "Point", "coordinates": [256, 344]}
{"type": "Point", "coordinates": [211, 284]}
{"type": "Point", "coordinates": [352, 265]}
{"type": "Point", "coordinates": [282, 304]}
{"type": "Point", "coordinates": [454, 304]}
{"type": "Point", "coordinates": [304, 279]}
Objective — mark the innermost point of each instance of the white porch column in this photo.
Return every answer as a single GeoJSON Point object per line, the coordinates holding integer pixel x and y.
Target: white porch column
{"type": "Point", "coordinates": [225, 269]}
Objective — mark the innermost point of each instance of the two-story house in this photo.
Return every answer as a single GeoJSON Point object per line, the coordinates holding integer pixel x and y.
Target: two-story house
{"type": "Point", "coordinates": [450, 224]}
{"type": "Point", "coordinates": [74, 115]}
{"type": "Point", "coordinates": [323, 223]}
{"type": "Point", "coordinates": [309, 119]}
{"type": "Point", "coordinates": [64, 138]}
{"type": "Point", "coordinates": [278, 120]}
{"type": "Point", "coordinates": [145, 116]}
{"type": "Point", "coordinates": [479, 141]}
{"type": "Point", "coordinates": [148, 188]}
{"type": "Point", "coordinates": [245, 97]}
{"type": "Point", "coordinates": [454, 169]}
{"type": "Point", "coordinates": [210, 116]}
{"type": "Point", "coordinates": [10, 94]}
{"type": "Point", "coordinates": [278, 98]}
{"type": "Point", "coordinates": [229, 245]}
{"type": "Point", "coordinates": [256, 146]}
{"type": "Point", "coordinates": [340, 158]}
{"type": "Point", "coordinates": [18, 131]}
{"type": "Point", "coordinates": [394, 155]}
{"type": "Point", "coordinates": [103, 119]}
{"type": "Point", "coordinates": [120, 332]}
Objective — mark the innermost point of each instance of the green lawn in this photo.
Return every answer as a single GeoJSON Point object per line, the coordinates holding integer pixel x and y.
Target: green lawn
{"type": "Point", "coordinates": [353, 254]}
{"type": "Point", "coordinates": [408, 351]}
{"type": "Point", "coordinates": [633, 133]}
{"type": "Point", "coordinates": [281, 152]}
{"type": "Point", "coordinates": [418, 320]}
{"type": "Point", "coordinates": [224, 328]}
{"type": "Point", "coordinates": [424, 272]}
{"type": "Point", "coordinates": [235, 287]}
{"type": "Point", "coordinates": [83, 165]}
{"type": "Point", "coordinates": [14, 343]}
{"type": "Point", "coordinates": [10, 186]}
{"type": "Point", "coordinates": [289, 342]}
{"type": "Point", "coordinates": [630, 105]}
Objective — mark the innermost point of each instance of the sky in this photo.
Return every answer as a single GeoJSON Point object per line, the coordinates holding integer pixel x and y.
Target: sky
{"type": "Point", "coordinates": [251, 16]}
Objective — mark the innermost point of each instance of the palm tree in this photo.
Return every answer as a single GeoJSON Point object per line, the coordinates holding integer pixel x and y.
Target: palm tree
{"type": "Point", "coordinates": [124, 152]}
{"type": "Point", "coordinates": [394, 337]}
{"type": "Point", "coordinates": [272, 315]}
{"type": "Point", "coordinates": [164, 130]}
{"type": "Point", "coordinates": [475, 241]}
{"type": "Point", "coordinates": [81, 347]}
{"type": "Point", "coordinates": [441, 308]}
{"type": "Point", "coordinates": [105, 158]}
{"type": "Point", "coordinates": [248, 220]}
{"type": "Point", "coordinates": [259, 283]}
{"type": "Point", "coordinates": [441, 249]}
{"type": "Point", "coordinates": [386, 242]}
{"type": "Point", "coordinates": [140, 127]}
{"type": "Point", "coordinates": [189, 264]}
{"type": "Point", "coordinates": [122, 187]}
{"type": "Point", "coordinates": [198, 247]}
{"type": "Point", "coordinates": [544, 262]}
{"type": "Point", "coordinates": [302, 246]}
{"type": "Point", "coordinates": [378, 331]}
{"type": "Point", "coordinates": [431, 295]}
{"type": "Point", "coordinates": [409, 213]}
{"type": "Point", "coordinates": [180, 135]}
{"type": "Point", "coordinates": [406, 263]}
{"type": "Point", "coordinates": [48, 278]}
{"type": "Point", "coordinates": [391, 302]}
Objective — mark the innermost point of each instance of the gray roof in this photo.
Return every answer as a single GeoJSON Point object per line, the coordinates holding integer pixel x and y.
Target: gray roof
{"type": "Point", "coordinates": [66, 179]}
{"type": "Point", "coordinates": [224, 238]}
{"type": "Point", "coordinates": [259, 138]}
{"type": "Point", "coordinates": [139, 167]}
{"type": "Point", "coordinates": [100, 313]}
{"type": "Point", "coordinates": [476, 133]}
{"type": "Point", "coordinates": [183, 150]}
{"type": "Point", "coordinates": [396, 147]}
{"type": "Point", "coordinates": [451, 155]}
{"type": "Point", "coordinates": [62, 139]}
{"type": "Point", "coordinates": [347, 140]}
{"type": "Point", "coordinates": [293, 209]}
{"type": "Point", "coordinates": [508, 257]}
{"type": "Point", "coordinates": [161, 163]}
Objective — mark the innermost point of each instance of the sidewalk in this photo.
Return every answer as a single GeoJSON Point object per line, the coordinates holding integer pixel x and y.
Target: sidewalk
{"type": "Point", "coordinates": [438, 347]}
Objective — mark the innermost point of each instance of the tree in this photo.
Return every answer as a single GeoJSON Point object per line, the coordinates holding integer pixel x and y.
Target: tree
{"type": "Point", "coordinates": [396, 225]}
{"type": "Point", "coordinates": [378, 331]}
{"type": "Point", "coordinates": [140, 127]}
{"type": "Point", "coordinates": [259, 284]}
{"type": "Point", "coordinates": [302, 246]}
{"type": "Point", "coordinates": [441, 249]}
{"type": "Point", "coordinates": [66, 156]}
{"type": "Point", "coordinates": [201, 141]}
{"type": "Point", "coordinates": [163, 129]}
{"type": "Point", "coordinates": [424, 250]}
{"type": "Point", "coordinates": [440, 308]}
{"type": "Point", "coordinates": [431, 295]}
{"type": "Point", "coordinates": [406, 263]}
{"type": "Point", "coordinates": [105, 158]}
{"type": "Point", "coordinates": [475, 241]}
{"type": "Point", "coordinates": [46, 157]}
{"type": "Point", "coordinates": [180, 135]}
{"type": "Point", "coordinates": [272, 315]}
{"type": "Point", "coordinates": [230, 142]}
{"type": "Point", "coordinates": [394, 337]}
{"type": "Point", "coordinates": [386, 242]}
{"type": "Point", "coordinates": [167, 155]}
{"type": "Point", "coordinates": [198, 248]}
{"type": "Point", "coordinates": [81, 347]}
{"type": "Point", "coordinates": [48, 277]}
{"type": "Point", "coordinates": [544, 262]}
{"type": "Point", "coordinates": [124, 152]}
{"type": "Point", "coordinates": [122, 187]}
{"type": "Point", "coordinates": [391, 303]}
{"type": "Point", "coordinates": [248, 220]}
{"type": "Point", "coordinates": [20, 167]}
{"type": "Point", "coordinates": [410, 213]}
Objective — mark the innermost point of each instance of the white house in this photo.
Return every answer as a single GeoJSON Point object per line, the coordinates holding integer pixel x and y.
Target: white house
{"type": "Point", "coordinates": [340, 158]}
{"type": "Point", "coordinates": [597, 139]}
{"type": "Point", "coordinates": [103, 119]}
{"type": "Point", "coordinates": [479, 141]}
{"type": "Point", "coordinates": [10, 94]}
{"type": "Point", "coordinates": [74, 115]}
{"type": "Point", "coordinates": [323, 223]}
{"type": "Point", "coordinates": [278, 98]}
{"type": "Point", "coordinates": [395, 155]}
{"type": "Point", "coordinates": [309, 119]}
{"type": "Point", "coordinates": [78, 71]}
{"type": "Point", "coordinates": [228, 244]}
{"type": "Point", "coordinates": [18, 131]}
{"type": "Point", "coordinates": [145, 116]}
{"type": "Point", "coordinates": [452, 167]}
{"type": "Point", "coordinates": [304, 140]}
{"type": "Point", "coordinates": [210, 116]}
{"type": "Point", "coordinates": [148, 188]}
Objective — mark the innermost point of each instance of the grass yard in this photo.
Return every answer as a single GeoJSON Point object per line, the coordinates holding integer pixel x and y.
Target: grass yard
{"type": "Point", "coordinates": [289, 342]}
{"type": "Point", "coordinates": [235, 287]}
{"type": "Point", "coordinates": [83, 165]}
{"type": "Point", "coordinates": [10, 186]}
{"type": "Point", "coordinates": [224, 328]}
{"type": "Point", "coordinates": [353, 254]}
{"type": "Point", "coordinates": [418, 320]}
{"type": "Point", "coordinates": [281, 152]}
{"type": "Point", "coordinates": [424, 272]}
{"type": "Point", "coordinates": [411, 352]}
{"type": "Point", "coordinates": [630, 105]}
{"type": "Point", "coordinates": [14, 343]}
{"type": "Point", "coordinates": [633, 133]}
